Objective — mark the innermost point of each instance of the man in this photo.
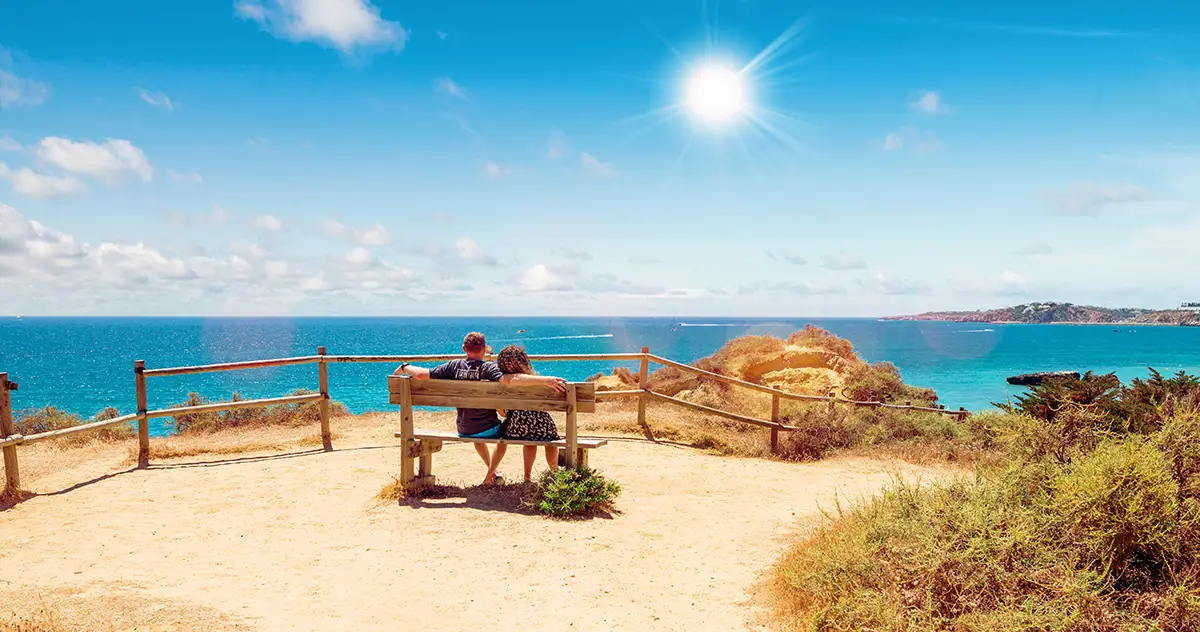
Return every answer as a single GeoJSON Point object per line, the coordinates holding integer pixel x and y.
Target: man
{"type": "Point", "coordinates": [479, 422]}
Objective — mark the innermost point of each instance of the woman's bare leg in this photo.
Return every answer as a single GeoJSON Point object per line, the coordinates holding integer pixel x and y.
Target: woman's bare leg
{"type": "Point", "coordinates": [552, 457]}
{"type": "Point", "coordinates": [530, 455]}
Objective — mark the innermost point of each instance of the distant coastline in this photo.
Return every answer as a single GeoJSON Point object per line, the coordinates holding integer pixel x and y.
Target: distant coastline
{"type": "Point", "coordinates": [1064, 314]}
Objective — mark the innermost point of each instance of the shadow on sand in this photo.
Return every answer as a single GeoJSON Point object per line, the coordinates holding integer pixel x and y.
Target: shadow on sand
{"type": "Point", "coordinates": [11, 499]}
{"type": "Point", "coordinates": [516, 498]}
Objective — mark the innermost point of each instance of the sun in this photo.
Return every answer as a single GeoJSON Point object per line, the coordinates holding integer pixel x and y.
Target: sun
{"type": "Point", "coordinates": [715, 94]}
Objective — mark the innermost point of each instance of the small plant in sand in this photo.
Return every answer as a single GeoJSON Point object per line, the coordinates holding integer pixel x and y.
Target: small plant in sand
{"type": "Point", "coordinates": [569, 492]}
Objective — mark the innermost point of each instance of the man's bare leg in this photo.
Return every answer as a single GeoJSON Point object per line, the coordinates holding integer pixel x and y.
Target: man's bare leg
{"type": "Point", "coordinates": [482, 449]}
{"type": "Point", "coordinates": [497, 455]}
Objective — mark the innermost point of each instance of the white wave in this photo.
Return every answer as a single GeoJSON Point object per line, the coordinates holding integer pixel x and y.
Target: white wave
{"type": "Point", "coordinates": [712, 325]}
{"type": "Point", "coordinates": [974, 331]}
{"type": "Point", "coordinates": [579, 337]}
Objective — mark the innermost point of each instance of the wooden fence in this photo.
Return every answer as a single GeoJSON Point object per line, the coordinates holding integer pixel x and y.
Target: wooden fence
{"type": "Point", "coordinates": [9, 440]}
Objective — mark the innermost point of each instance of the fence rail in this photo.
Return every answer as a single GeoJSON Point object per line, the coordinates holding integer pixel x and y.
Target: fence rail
{"type": "Point", "coordinates": [9, 440]}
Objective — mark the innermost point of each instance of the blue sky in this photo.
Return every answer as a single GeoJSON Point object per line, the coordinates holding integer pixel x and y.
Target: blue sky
{"type": "Point", "coordinates": [310, 157]}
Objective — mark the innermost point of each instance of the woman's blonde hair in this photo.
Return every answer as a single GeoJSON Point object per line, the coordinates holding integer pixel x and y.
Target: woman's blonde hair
{"type": "Point", "coordinates": [513, 359]}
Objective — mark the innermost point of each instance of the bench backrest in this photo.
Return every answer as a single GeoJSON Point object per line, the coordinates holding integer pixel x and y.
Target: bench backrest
{"type": "Point", "coordinates": [464, 394]}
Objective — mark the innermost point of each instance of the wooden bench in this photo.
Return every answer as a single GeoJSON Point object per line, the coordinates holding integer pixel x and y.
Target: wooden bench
{"type": "Point", "coordinates": [419, 444]}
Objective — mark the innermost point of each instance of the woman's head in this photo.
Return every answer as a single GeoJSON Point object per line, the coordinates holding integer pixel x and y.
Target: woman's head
{"type": "Point", "coordinates": [512, 359]}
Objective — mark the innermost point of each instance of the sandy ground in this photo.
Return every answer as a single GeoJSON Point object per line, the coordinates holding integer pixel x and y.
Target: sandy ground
{"type": "Point", "coordinates": [296, 540]}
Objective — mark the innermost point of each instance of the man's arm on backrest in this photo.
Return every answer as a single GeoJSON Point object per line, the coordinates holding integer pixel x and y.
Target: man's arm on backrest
{"type": "Point", "coordinates": [440, 372]}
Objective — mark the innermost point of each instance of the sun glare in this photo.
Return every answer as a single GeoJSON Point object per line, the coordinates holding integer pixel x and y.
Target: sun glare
{"type": "Point", "coordinates": [715, 94]}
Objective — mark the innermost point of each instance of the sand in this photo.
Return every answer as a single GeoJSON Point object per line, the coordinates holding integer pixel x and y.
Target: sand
{"type": "Point", "coordinates": [296, 540]}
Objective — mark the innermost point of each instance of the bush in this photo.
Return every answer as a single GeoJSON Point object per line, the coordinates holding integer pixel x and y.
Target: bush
{"type": "Point", "coordinates": [1107, 541]}
{"type": "Point", "coordinates": [568, 492]}
{"type": "Point", "coordinates": [37, 420]}
{"type": "Point", "coordinates": [1121, 503]}
{"type": "Point", "coordinates": [277, 415]}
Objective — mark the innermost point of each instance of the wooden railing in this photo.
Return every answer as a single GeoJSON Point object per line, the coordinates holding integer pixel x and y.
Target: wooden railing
{"type": "Point", "coordinates": [9, 440]}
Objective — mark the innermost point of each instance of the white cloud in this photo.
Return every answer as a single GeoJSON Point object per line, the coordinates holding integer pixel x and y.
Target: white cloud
{"type": "Point", "coordinates": [930, 102]}
{"type": "Point", "coordinates": [268, 223]}
{"type": "Point", "coordinates": [540, 278]}
{"type": "Point", "coordinates": [358, 256]}
{"type": "Point", "coordinates": [192, 177]}
{"type": "Point", "coordinates": [446, 85]}
{"type": "Point", "coordinates": [1089, 199]}
{"type": "Point", "coordinates": [595, 168]}
{"type": "Point", "coordinates": [558, 146]}
{"type": "Point", "coordinates": [8, 143]}
{"type": "Point", "coordinates": [914, 140]}
{"type": "Point", "coordinates": [375, 236]}
{"type": "Point", "coordinates": [342, 24]}
{"type": "Point", "coordinates": [496, 171]}
{"type": "Point", "coordinates": [276, 269]}
{"type": "Point", "coordinates": [108, 162]}
{"type": "Point", "coordinates": [220, 215]}
{"type": "Point", "coordinates": [470, 252]}
{"type": "Point", "coordinates": [333, 228]}
{"type": "Point", "coordinates": [793, 259]}
{"type": "Point", "coordinates": [157, 99]}
{"type": "Point", "coordinates": [315, 284]}
{"type": "Point", "coordinates": [844, 262]}
{"type": "Point", "coordinates": [16, 91]}
{"type": "Point", "coordinates": [1036, 250]}
{"type": "Point", "coordinates": [35, 185]}
{"type": "Point", "coordinates": [577, 255]}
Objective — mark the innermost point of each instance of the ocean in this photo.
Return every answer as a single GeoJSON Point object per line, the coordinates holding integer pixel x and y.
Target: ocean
{"type": "Point", "coordinates": [82, 365]}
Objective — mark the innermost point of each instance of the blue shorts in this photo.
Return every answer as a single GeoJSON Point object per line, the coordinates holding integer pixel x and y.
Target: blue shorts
{"type": "Point", "coordinates": [495, 432]}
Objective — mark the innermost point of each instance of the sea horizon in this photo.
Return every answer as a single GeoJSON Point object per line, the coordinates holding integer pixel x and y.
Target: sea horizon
{"type": "Point", "coordinates": [82, 364]}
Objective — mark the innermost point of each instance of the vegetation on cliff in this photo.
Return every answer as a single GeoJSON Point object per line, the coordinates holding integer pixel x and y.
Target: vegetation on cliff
{"type": "Point", "coordinates": [1034, 313]}
{"type": "Point", "coordinates": [1089, 520]}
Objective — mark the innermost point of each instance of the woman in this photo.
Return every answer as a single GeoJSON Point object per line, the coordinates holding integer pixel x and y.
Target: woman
{"type": "Point", "coordinates": [528, 425]}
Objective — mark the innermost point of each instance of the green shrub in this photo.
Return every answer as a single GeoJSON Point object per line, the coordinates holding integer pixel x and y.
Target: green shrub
{"type": "Point", "coordinates": [36, 420]}
{"type": "Point", "coordinates": [568, 492]}
{"type": "Point", "coordinates": [1097, 393]}
{"type": "Point", "coordinates": [1121, 503]}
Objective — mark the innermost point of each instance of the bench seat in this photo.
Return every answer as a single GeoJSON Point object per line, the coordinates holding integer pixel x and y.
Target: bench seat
{"type": "Point", "coordinates": [450, 435]}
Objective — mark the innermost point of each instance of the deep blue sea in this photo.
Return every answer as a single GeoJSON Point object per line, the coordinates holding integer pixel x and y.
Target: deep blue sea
{"type": "Point", "coordinates": [84, 364]}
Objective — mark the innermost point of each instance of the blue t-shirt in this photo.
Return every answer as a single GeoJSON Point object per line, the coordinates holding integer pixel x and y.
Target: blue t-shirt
{"type": "Point", "coordinates": [471, 420]}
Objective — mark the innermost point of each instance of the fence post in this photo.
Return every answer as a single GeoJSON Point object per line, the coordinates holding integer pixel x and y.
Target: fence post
{"type": "Point", "coordinates": [323, 384]}
{"type": "Point", "coordinates": [572, 430]}
{"type": "Point", "coordinates": [832, 406]}
{"type": "Point", "coordinates": [12, 472]}
{"type": "Point", "coordinates": [643, 381]}
{"type": "Point", "coordinates": [962, 414]}
{"type": "Point", "coordinates": [775, 418]}
{"type": "Point", "coordinates": [139, 377]}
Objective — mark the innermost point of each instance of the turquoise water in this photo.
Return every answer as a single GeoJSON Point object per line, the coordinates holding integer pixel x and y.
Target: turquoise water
{"type": "Point", "coordinates": [84, 364]}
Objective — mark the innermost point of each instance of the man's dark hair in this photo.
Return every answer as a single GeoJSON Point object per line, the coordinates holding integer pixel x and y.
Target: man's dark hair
{"type": "Point", "coordinates": [474, 341]}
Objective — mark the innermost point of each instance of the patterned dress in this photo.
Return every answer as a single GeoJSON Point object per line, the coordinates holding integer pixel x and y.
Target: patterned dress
{"type": "Point", "coordinates": [530, 425]}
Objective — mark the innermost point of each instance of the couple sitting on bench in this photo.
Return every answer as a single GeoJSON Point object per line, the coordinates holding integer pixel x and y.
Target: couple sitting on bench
{"type": "Point", "coordinates": [511, 368]}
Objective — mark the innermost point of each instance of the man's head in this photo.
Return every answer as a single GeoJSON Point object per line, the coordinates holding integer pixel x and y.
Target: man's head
{"type": "Point", "coordinates": [475, 345]}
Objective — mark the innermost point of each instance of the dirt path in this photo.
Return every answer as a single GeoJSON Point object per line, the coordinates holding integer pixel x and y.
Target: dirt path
{"type": "Point", "coordinates": [297, 541]}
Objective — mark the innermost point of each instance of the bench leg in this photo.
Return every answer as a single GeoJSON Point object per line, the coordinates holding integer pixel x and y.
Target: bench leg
{"type": "Point", "coordinates": [406, 467]}
{"type": "Point", "coordinates": [581, 458]}
{"type": "Point", "coordinates": [426, 464]}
